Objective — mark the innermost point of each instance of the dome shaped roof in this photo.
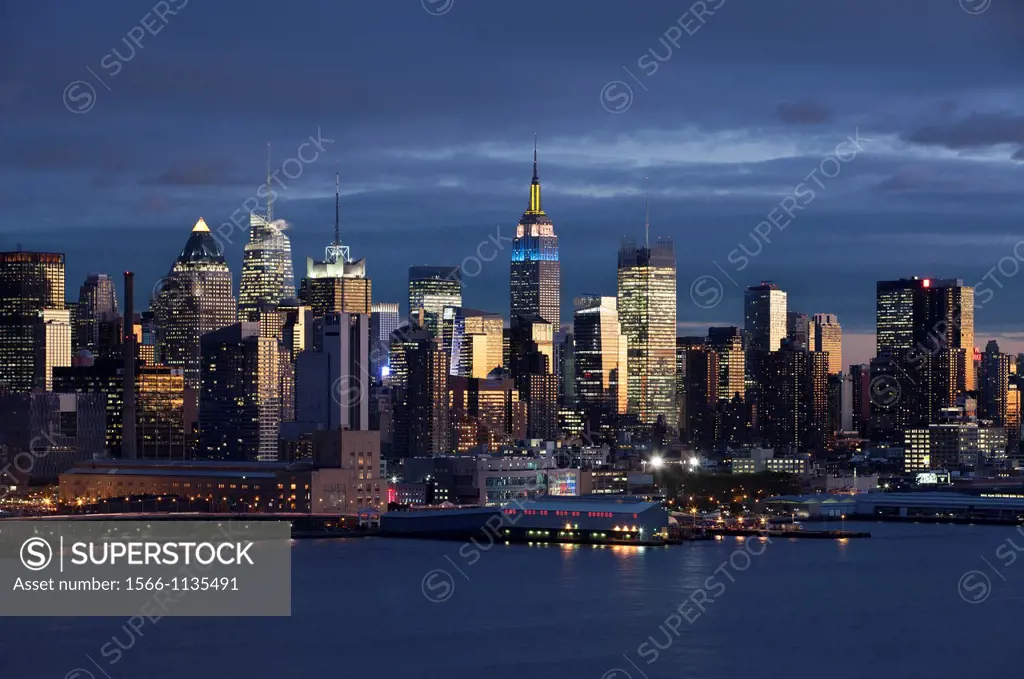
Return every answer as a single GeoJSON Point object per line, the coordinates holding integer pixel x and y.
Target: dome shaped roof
{"type": "Point", "coordinates": [201, 246]}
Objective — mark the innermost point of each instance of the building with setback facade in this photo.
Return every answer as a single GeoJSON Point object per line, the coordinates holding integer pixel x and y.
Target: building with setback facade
{"type": "Point", "coordinates": [535, 272]}
{"type": "Point", "coordinates": [30, 282]}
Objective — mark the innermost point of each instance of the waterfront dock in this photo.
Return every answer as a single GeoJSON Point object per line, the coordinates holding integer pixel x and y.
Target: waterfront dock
{"type": "Point", "coordinates": [777, 533]}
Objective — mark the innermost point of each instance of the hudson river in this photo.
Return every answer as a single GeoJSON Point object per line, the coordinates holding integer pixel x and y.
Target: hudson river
{"type": "Point", "coordinates": [896, 605]}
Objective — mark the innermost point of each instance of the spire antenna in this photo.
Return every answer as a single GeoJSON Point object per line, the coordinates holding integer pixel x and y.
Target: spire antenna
{"type": "Point", "coordinates": [337, 209]}
{"type": "Point", "coordinates": [270, 194]}
{"type": "Point", "coordinates": [535, 207]}
{"type": "Point", "coordinates": [535, 177]}
{"type": "Point", "coordinates": [647, 215]}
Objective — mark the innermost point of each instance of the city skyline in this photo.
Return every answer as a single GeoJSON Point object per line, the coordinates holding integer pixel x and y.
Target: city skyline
{"type": "Point", "coordinates": [423, 165]}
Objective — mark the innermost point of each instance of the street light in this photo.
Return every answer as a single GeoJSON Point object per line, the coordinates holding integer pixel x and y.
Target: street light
{"type": "Point", "coordinates": [657, 462]}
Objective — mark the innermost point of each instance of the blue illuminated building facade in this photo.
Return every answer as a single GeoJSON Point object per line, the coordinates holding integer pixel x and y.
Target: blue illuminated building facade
{"type": "Point", "coordinates": [536, 274]}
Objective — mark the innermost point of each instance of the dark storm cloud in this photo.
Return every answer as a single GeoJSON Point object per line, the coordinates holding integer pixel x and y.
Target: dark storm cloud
{"type": "Point", "coordinates": [203, 172]}
{"type": "Point", "coordinates": [802, 113]}
{"type": "Point", "coordinates": [977, 130]}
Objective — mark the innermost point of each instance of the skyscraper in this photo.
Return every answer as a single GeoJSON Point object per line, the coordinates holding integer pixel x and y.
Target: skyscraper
{"type": "Point", "coordinates": [647, 314]}
{"type": "Point", "coordinates": [793, 388]}
{"type": "Point", "coordinates": [54, 343]}
{"type": "Point", "coordinates": [421, 407]}
{"type": "Point", "coordinates": [924, 313]}
{"type": "Point", "coordinates": [385, 318]}
{"type": "Point", "coordinates": [600, 352]}
{"type": "Point", "coordinates": [486, 413]}
{"type": "Point", "coordinates": [799, 330]}
{"type": "Point", "coordinates": [331, 378]}
{"type": "Point", "coordinates": [338, 283]}
{"type": "Point", "coordinates": [160, 413]}
{"type": "Point", "coordinates": [828, 337]}
{"type": "Point", "coordinates": [531, 362]}
{"type": "Point", "coordinates": [728, 344]}
{"type": "Point", "coordinates": [924, 339]}
{"type": "Point", "coordinates": [340, 286]}
{"type": "Point", "coordinates": [29, 283]}
{"type": "Point", "coordinates": [431, 289]}
{"type": "Point", "coordinates": [994, 385]}
{"type": "Point", "coordinates": [97, 296]}
{"type": "Point", "coordinates": [535, 272]}
{"type": "Point", "coordinates": [268, 277]}
{"type": "Point", "coordinates": [195, 298]}
{"type": "Point", "coordinates": [473, 340]}
{"type": "Point", "coordinates": [702, 375]}
{"type": "Point", "coordinates": [239, 407]}
{"type": "Point", "coordinates": [860, 378]}
{"type": "Point", "coordinates": [765, 316]}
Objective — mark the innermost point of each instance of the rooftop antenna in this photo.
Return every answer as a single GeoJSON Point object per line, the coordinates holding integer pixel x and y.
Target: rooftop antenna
{"type": "Point", "coordinates": [336, 251]}
{"type": "Point", "coordinates": [647, 216]}
{"type": "Point", "coordinates": [535, 177]}
{"type": "Point", "coordinates": [270, 194]}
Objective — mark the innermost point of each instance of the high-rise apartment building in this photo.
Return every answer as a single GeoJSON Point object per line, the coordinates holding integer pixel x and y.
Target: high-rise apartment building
{"type": "Point", "coordinates": [194, 299]}
{"type": "Point", "coordinates": [828, 337]}
{"type": "Point", "coordinates": [535, 272]}
{"type": "Point", "coordinates": [994, 384]}
{"type": "Point", "coordinates": [727, 342]}
{"type": "Point", "coordinates": [29, 283]}
{"type": "Point", "coordinates": [431, 290]}
{"type": "Point", "coordinates": [793, 389]}
{"type": "Point", "coordinates": [239, 405]}
{"type": "Point", "coordinates": [97, 296]}
{"type": "Point", "coordinates": [700, 392]}
{"type": "Point", "coordinates": [647, 313]}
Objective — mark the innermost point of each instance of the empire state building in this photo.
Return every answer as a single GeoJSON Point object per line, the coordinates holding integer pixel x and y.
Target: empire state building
{"type": "Point", "coordinates": [535, 271]}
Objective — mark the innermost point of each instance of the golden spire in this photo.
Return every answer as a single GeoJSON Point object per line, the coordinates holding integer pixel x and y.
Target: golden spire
{"type": "Point", "coordinates": [535, 207]}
